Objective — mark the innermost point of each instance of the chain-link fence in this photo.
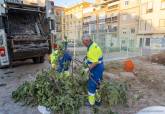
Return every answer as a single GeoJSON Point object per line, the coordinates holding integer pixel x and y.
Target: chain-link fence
{"type": "Point", "coordinates": [116, 47]}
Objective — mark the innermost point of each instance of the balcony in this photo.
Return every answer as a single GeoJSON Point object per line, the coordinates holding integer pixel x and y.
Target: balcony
{"type": "Point", "coordinates": [102, 20]}
{"type": "Point", "coordinates": [111, 30]}
{"type": "Point", "coordinates": [93, 31]}
{"type": "Point", "coordinates": [149, 10]}
{"type": "Point", "coordinates": [113, 7]}
{"type": "Point", "coordinates": [106, 2]}
{"type": "Point", "coordinates": [85, 23]}
{"type": "Point", "coordinates": [92, 22]}
{"type": "Point", "coordinates": [85, 32]}
{"type": "Point", "coordinates": [102, 30]}
{"type": "Point", "coordinates": [112, 19]}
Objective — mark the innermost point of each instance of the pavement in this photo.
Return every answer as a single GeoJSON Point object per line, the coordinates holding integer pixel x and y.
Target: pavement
{"type": "Point", "coordinates": [10, 79]}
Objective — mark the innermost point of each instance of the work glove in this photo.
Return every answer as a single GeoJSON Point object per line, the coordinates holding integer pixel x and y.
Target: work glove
{"type": "Point", "coordinates": [84, 58]}
{"type": "Point", "coordinates": [53, 66]}
{"type": "Point", "coordinates": [49, 58]}
{"type": "Point", "coordinates": [85, 65]}
{"type": "Point", "coordinates": [66, 74]}
{"type": "Point", "coordinates": [85, 71]}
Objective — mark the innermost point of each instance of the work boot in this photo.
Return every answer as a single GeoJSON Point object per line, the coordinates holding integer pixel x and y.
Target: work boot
{"type": "Point", "coordinates": [98, 98]}
{"type": "Point", "coordinates": [91, 101]}
{"type": "Point", "coordinates": [87, 104]}
{"type": "Point", "coordinates": [98, 103]}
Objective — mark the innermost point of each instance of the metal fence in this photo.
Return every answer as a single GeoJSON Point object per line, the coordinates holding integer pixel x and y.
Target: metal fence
{"type": "Point", "coordinates": [114, 47]}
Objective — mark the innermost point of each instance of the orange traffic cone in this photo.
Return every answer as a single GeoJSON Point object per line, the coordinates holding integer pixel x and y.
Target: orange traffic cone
{"type": "Point", "coordinates": [128, 65]}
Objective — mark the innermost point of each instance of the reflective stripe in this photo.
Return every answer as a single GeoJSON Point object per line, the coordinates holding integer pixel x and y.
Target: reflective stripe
{"type": "Point", "coordinates": [91, 94]}
{"type": "Point", "coordinates": [89, 62]}
{"type": "Point", "coordinates": [99, 61]}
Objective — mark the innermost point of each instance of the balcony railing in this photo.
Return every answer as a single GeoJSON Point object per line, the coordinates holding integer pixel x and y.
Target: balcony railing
{"type": "Point", "coordinates": [112, 29]}
{"type": "Point", "coordinates": [102, 30]}
{"type": "Point", "coordinates": [93, 31]}
{"type": "Point", "coordinates": [105, 2]}
{"type": "Point", "coordinates": [85, 32]}
{"type": "Point", "coordinates": [85, 23]}
{"type": "Point", "coordinates": [111, 19]}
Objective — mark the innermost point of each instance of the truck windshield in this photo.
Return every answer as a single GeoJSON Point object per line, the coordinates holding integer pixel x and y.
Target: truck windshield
{"type": "Point", "coordinates": [23, 23]}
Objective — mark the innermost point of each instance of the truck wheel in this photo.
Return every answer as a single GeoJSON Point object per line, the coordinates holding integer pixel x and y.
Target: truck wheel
{"type": "Point", "coordinates": [36, 60]}
{"type": "Point", "coordinates": [42, 59]}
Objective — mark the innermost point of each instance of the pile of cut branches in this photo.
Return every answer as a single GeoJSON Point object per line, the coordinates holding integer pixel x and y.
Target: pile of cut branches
{"type": "Point", "coordinates": [65, 94]}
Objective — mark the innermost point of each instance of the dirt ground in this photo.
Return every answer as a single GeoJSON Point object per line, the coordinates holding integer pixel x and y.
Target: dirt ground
{"type": "Point", "coordinates": [147, 89]}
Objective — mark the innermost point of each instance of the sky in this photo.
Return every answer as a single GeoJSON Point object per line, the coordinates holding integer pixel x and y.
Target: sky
{"type": "Point", "coordinates": [68, 2]}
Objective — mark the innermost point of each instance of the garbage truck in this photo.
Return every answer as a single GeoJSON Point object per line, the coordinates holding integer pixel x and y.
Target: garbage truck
{"type": "Point", "coordinates": [25, 30]}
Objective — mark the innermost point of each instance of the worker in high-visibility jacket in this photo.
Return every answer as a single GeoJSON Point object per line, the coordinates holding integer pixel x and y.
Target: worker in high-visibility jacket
{"type": "Point", "coordinates": [94, 60]}
{"type": "Point", "coordinates": [53, 58]}
{"type": "Point", "coordinates": [60, 59]}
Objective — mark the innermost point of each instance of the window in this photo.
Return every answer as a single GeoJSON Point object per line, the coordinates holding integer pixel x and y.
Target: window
{"type": "Point", "coordinates": [162, 4]}
{"type": "Point", "coordinates": [108, 19]}
{"type": "Point", "coordinates": [162, 22]}
{"type": "Point", "coordinates": [124, 32]}
{"type": "Point", "coordinates": [149, 7]}
{"type": "Point", "coordinates": [108, 26]}
{"type": "Point", "coordinates": [115, 28]}
{"type": "Point", "coordinates": [93, 28]}
{"type": "Point", "coordinates": [126, 3]}
{"type": "Point", "coordinates": [132, 30]}
{"type": "Point", "coordinates": [112, 28]}
{"type": "Point", "coordinates": [146, 25]}
{"type": "Point", "coordinates": [102, 27]}
{"type": "Point", "coordinates": [141, 42]}
{"type": "Point", "coordinates": [147, 42]}
{"type": "Point", "coordinates": [114, 18]}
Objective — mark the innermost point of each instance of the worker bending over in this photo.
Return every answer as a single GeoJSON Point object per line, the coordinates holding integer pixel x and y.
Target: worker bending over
{"type": "Point", "coordinates": [95, 64]}
{"type": "Point", "coordinates": [60, 59]}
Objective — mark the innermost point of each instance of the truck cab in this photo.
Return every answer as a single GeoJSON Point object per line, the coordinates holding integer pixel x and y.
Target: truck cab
{"type": "Point", "coordinates": [25, 32]}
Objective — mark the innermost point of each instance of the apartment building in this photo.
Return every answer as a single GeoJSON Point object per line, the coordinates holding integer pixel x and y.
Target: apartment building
{"type": "Point", "coordinates": [108, 22]}
{"type": "Point", "coordinates": [129, 21]}
{"type": "Point", "coordinates": [73, 21]}
{"type": "Point", "coordinates": [114, 23]}
{"type": "Point", "coordinates": [133, 23]}
{"type": "Point", "coordinates": [89, 20]}
{"type": "Point", "coordinates": [152, 24]}
{"type": "Point", "coordinates": [59, 12]}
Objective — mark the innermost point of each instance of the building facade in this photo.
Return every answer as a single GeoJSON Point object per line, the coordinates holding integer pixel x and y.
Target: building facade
{"type": "Point", "coordinates": [73, 21]}
{"type": "Point", "coordinates": [118, 23]}
{"type": "Point", "coordinates": [129, 21]}
{"type": "Point", "coordinates": [152, 24]}
{"type": "Point", "coordinates": [59, 12]}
